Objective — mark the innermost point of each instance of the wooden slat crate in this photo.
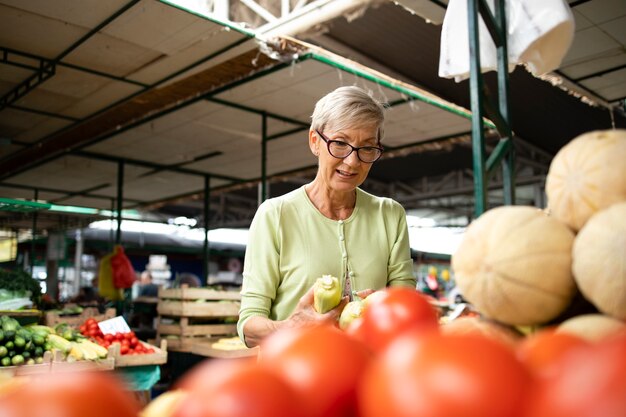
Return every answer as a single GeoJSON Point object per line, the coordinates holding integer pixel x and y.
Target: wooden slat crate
{"type": "Point", "coordinates": [22, 370]}
{"type": "Point", "coordinates": [186, 293]}
{"type": "Point", "coordinates": [198, 309]}
{"type": "Point", "coordinates": [199, 314]}
{"type": "Point", "coordinates": [184, 302]}
{"type": "Point", "coordinates": [159, 356]}
{"type": "Point", "coordinates": [52, 319]}
{"type": "Point", "coordinates": [206, 348]}
{"type": "Point", "coordinates": [187, 328]}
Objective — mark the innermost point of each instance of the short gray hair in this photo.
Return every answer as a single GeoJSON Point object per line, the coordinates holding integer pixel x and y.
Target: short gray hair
{"type": "Point", "coordinates": [348, 107]}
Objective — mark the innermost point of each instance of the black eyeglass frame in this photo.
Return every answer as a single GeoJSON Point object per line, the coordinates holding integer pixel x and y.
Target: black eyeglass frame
{"type": "Point", "coordinates": [330, 141]}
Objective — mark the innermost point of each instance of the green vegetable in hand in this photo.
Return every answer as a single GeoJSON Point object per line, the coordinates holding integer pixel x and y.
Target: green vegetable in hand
{"type": "Point", "coordinates": [351, 311]}
{"type": "Point", "coordinates": [326, 293]}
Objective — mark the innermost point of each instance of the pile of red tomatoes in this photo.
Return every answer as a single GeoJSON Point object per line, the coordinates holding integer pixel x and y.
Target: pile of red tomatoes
{"type": "Point", "coordinates": [129, 344]}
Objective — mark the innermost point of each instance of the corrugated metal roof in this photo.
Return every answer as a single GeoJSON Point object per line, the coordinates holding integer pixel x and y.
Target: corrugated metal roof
{"type": "Point", "coordinates": [177, 97]}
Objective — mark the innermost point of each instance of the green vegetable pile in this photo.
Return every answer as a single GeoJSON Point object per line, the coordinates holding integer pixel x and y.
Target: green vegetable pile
{"type": "Point", "coordinates": [21, 345]}
{"type": "Point", "coordinates": [20, 282]}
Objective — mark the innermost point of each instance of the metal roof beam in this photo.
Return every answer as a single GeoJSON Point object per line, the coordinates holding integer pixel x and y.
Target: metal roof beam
{"type": "Point", "coordinates": [257, 111]}
{"type": "Point", "coordinates": [59, 191]}
{"type": "Point", "coordinates": [43, 113]}
{"type": "Point", "coordinates": [152, 165]}
{"type": "Point", "coordinates": [81, 193]}
{"type": "Point", "coordinates": [180, 164]}
{"type": "Point", "coordinates": [59, 142]}
{"type": "Point", "coordinates": [599, 73]}
{"type": "Point", "coordinates": [45, 70]}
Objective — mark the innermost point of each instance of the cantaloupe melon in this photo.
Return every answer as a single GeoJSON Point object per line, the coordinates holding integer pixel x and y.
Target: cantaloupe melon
{"type": "Point", "coordinates": [587, 175]}
{"type": "Point", "coordinates": [478, 325]}
{"type": "Point", "coordinates": [593, 327]}
{"type": "Point", "coordinates": [514, 265]}
{"type": "Point", "coordinates": [600, 260]}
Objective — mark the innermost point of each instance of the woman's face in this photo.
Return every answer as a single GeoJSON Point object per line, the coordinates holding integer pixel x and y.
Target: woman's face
{"type": "Point", "coordinates": [345, 174]}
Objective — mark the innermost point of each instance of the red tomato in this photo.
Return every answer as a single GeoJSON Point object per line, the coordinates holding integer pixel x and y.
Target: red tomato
{"type": "Point", "coordinates": [76, 394]}
{"type": "Point", "coordinates": [591, 382]}
{"type": "Point", "coordinates": [124, 349]}
{"type": "Point", "coordinates": [133, 341]}
{"type": "Point", "coordinates": [432, 375]}
{"type": "Point", "coordinates": [108, 337]}
{"type": "Point", "coordinates": [237, 389]}
{"type": "Point", "coordinates": [544, 351]}
{"type": "Point", "coordinates": [323, 364]}
{"type": "Point", "coordinates": [394, 311]}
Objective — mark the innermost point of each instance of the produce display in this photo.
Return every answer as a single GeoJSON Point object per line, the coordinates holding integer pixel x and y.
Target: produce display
{"type": "Point", "coordinates": [75, 394]}
{"type": "Point", "coordinates": [21, 345]}
{"type": "Point", "coordinates": [599, 266]}
{"type": "Point", "coordinates": [587, 175]}
{"type": "Point", "coordinates": [514, 265]}
{"type": "Point", "coordinates": [592, 327]}
{"type": "Point", "coordinates": [391, 355]}
{"type": "Point", "coordinates": [17, 290]}
{"type": "Point", "coordinates": [129, 343]}
{"type": "Point", "coordinates": [423, 371]}
{"type": "Point", "coordinates": [26, 345]}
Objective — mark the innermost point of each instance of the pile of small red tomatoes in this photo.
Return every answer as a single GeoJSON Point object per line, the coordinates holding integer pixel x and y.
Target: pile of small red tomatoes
{"type": "Point", "coordinates": [129, 344]}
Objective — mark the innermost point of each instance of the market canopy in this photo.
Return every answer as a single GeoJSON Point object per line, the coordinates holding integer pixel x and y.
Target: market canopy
{"type": "Point", "coordinates": [177, 97]}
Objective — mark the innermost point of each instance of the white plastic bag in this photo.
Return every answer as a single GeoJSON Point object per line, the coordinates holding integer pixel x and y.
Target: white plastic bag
{"type": "Point", "coordinates": [539, 33]}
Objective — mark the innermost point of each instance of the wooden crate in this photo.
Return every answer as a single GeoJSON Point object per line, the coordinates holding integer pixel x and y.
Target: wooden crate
{"type": "Point", "coordinates": [189, 306]}
{"type": "Point", "coordinates": [159, 356]}
{"type": "Point", "coordinates": [181, 344]}
{"type": "Point", "coordinates": [186, 327]}
{"type": "Point", "coordinates": [205, 348]}
{"type": "Point", "coordinates": [185, 302]}
{"type": "Point", "coordinates": [196, 309]}
{"type": "Point", "coordinates": [52, 319]}
{"type": "Point", "coordinates": [105, 364]}
{"type": "Point", "coordinates": [23, 370]}
{"type": "Point", "coordinates": [186, 293]}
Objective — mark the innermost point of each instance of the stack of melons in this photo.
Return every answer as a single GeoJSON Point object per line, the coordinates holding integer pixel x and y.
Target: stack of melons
{"type": "Point", "coordinates": [523, 266]}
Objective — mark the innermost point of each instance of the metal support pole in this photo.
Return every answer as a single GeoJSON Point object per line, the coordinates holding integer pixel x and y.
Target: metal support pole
{"type": "Point", "coordinates": [503, 153]}
{"type": "Point", "coordinates": [264, 191]}
{"type": "Point", "coordinates": [508, 163]}
{"type": "Point", "coordinates": [476, 88]}
{"type": "Point", "coordinates": [120, 199]}
{"type": "Point", "coordinates": [78, 261]}
{"type": "Point", "coordinates": [111, 220]}
{"type": "Point", "coordinates": [33, 234]}
{"type": "Point", "coordinates": [205, 248]}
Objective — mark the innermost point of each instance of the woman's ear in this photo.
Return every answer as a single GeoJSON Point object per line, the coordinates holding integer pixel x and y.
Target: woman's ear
{"type": "Point", "coordinates": [314, 142]}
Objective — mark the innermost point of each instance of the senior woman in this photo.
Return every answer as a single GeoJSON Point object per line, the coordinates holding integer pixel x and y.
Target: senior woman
{"type": "Point", "coordinates": [329, 226]}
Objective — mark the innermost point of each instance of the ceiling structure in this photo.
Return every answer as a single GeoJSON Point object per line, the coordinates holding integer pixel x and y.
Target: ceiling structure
{"type": "Point", "coordinates": [174, 101]}
{"type": "Point", "coordinates": [114, 99]}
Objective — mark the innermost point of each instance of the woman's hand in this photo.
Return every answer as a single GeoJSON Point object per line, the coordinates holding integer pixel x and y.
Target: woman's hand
{"type": "Point", "coordinates": [305, 314]}
{"type": "Point", "coordinates": [257, 327]}
{"type": "Point", "coordinates": [364, 293]}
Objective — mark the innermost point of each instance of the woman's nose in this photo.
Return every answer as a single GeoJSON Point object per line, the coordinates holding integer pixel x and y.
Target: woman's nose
{"type": "Point", "coordinates": [352, 159]}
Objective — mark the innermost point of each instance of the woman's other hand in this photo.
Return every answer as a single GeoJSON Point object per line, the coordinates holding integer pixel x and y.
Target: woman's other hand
{"type": "Point", "coordinates": [363, 294]}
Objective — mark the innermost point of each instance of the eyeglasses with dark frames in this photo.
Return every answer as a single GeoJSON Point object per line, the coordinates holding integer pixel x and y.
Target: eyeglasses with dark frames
{"type": "Point", "coordinates": [341, 150]}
